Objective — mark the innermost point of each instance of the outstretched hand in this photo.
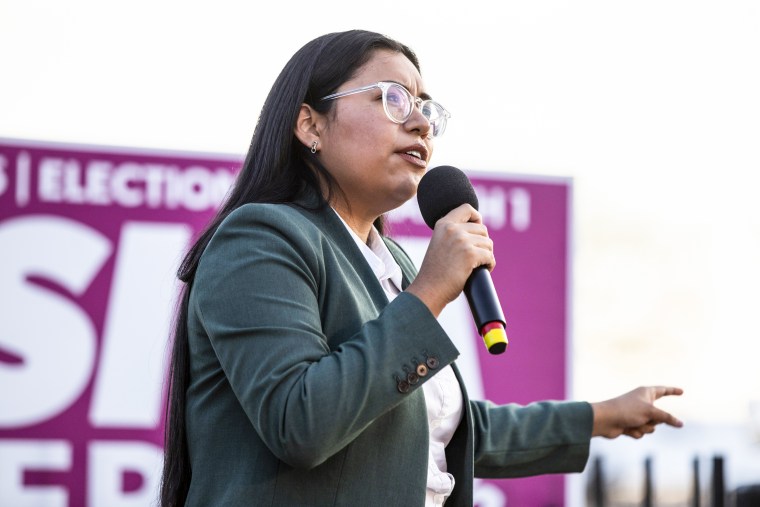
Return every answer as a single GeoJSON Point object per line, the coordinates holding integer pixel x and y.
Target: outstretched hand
{"type": "Point", "coordinates": [633, 413]}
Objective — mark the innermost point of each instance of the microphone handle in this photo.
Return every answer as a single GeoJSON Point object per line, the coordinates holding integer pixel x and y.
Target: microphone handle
{"type": "Point", "coordinates": [486, 310]}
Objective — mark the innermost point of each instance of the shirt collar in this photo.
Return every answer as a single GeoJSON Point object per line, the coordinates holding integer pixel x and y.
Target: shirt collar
{"type": "Point", "coordinates": [378, 256]}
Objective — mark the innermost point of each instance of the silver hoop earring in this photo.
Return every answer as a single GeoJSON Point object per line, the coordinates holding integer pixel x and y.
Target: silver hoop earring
{"type": "Point", "coordinates": [314, 147]}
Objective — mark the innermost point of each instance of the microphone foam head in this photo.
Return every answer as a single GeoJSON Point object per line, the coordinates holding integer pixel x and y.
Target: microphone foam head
{"type": "Point", "coordinates": [441, 190]}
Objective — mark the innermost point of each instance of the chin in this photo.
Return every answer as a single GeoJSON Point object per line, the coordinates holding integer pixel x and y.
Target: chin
{"type": "Point", "coordinates": [403, 197]}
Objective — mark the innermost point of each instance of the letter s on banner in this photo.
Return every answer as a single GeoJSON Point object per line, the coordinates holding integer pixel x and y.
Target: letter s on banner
{"type": "Point", "coordinates": [55, 365]}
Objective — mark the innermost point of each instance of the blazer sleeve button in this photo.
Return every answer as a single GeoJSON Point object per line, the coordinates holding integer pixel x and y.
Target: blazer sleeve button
{"type": "Point", "coordinates": [422, 370]}
{"type": "Point", "coordinates": [412, 378]}
{"type": "Point", "coordinates": [403, 386]}
{"type": "Point", "coordinates": [432, 362]}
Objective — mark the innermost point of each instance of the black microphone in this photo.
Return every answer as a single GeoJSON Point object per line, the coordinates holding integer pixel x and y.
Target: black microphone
{"type": "Point", "coordinates": [441, 190]}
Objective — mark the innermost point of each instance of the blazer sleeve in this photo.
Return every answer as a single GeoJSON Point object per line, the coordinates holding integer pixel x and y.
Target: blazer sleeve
{"type": "Point", "coordinates": [259, 297]}
{"type": "Point", "coordinates": [539, 438]}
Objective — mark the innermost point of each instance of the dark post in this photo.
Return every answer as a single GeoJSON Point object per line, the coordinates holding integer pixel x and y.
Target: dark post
{"type": "Point", "coordinates": [596, 491]}
{"type": "Point", "coordinates": [648, 496]}
{"type": "Point", "coordinates": [695, 493]}
{"type": "Point", "coordinates": [718, 485]}
{"type": "Point", "coordinates": [748, 496]}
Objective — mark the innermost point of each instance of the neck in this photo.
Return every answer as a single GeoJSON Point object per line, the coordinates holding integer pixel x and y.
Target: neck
{"type": "Point", "coordinates": [360, 226]}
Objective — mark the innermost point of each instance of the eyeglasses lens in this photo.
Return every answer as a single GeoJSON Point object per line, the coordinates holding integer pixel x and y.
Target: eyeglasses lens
{"type": "Point", "coordinates": [435, 115]}
{"type": "Point", "coordinates": [398, 102]}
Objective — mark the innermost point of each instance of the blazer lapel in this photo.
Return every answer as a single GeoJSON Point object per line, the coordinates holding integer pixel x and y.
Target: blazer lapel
{"type": "Point", "coordinates": [331, 225]}
{"type": "Point", "coordinates": [408, 269]}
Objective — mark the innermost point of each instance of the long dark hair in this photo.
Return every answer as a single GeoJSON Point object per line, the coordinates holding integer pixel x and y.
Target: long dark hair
{"type": "Point", "coordinates": [278, 168]}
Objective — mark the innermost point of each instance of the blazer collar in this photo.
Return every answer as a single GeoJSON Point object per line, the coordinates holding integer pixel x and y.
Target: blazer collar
{"type": "Point", "coordinates": [320, 213]}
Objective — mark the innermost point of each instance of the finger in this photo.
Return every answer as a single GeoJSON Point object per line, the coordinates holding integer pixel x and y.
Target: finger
{"type": "Point", "coordinates": [484, 243]}
{"type": "Point", "coordinates": [476, 229]}
{"type": "Point", "coordinates": [483, 256]}
{"type": "Point", "coordinates": [660, 391]}
{"type": "Point", "coordinates": [462, 214]}
{"type": "Point", "coordinates": [660, 416]}
{"type": "Point", "coordinates": [490, 264]}
{"type": "Point", "coordinates": [640, 431]}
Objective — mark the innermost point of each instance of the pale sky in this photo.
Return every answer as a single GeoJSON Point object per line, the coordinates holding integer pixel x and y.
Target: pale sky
{"type": "Point", "coordinates": [650, 107]}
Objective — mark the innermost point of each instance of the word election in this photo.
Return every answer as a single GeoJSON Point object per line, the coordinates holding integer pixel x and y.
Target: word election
{"type": "Point", "coordinates": [129, 184]}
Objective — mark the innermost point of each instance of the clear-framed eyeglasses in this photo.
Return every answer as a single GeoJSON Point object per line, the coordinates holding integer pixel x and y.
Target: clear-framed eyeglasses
{"type": "Point", "coordinates": [399, 103]}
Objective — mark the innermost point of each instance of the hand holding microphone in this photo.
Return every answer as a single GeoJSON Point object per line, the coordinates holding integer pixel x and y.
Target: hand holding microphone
{"type": "Point", "coordinates": [459, 244]}
{"type": "Point", "coordinates": [460, 253]}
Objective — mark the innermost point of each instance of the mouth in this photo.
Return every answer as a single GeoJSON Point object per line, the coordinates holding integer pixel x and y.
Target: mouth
{"type": "Point", "coordinates": [417, 154]}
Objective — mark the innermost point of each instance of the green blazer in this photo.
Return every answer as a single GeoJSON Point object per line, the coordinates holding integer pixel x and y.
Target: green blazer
{"type": "Point", "coordinates": [298, 378]}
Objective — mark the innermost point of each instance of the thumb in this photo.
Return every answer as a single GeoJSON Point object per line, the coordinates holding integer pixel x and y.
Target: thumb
{"type": "Point", "coordinates": [463, 214]}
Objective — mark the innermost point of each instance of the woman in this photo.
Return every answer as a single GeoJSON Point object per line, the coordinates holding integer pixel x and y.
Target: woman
{"type": "Point", "coordinates": [308, 366]}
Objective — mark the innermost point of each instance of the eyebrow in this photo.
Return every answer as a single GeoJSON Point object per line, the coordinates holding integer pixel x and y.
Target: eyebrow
{"type": "Point", "coordinates": [423, 96]}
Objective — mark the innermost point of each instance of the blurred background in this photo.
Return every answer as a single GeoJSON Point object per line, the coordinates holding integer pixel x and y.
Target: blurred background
{"type": "Point", "coordinates": [651, 108]}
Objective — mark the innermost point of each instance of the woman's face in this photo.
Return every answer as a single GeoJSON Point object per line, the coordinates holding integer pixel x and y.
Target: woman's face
{"type": "Point", "coordinates": [371, 157]}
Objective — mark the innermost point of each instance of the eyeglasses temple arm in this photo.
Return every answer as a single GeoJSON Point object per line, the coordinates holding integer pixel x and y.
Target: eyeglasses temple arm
{"type": "Point", "coordinates": [349, 92]}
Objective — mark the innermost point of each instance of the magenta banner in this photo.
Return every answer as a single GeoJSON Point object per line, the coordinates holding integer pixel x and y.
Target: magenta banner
{"type": "Point", "coordinates": [90, 239]}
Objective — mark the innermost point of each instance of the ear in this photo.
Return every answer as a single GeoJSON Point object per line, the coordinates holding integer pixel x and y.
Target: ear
{"type": "Point", "coordinates": [308, 125]}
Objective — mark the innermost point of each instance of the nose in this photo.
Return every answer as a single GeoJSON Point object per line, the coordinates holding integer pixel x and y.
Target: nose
{"type": "Point", "coordinates": [418, 122]}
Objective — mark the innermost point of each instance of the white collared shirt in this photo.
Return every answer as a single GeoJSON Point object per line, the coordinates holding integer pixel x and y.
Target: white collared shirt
{"type": "Point", "coordinates": [443, 396]}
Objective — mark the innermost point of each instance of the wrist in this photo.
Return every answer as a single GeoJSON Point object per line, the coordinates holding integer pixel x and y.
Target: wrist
{"type": "Point", "coordinates": [600, 419]}
{"type": "Point", "coordinates": [427, 297]}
